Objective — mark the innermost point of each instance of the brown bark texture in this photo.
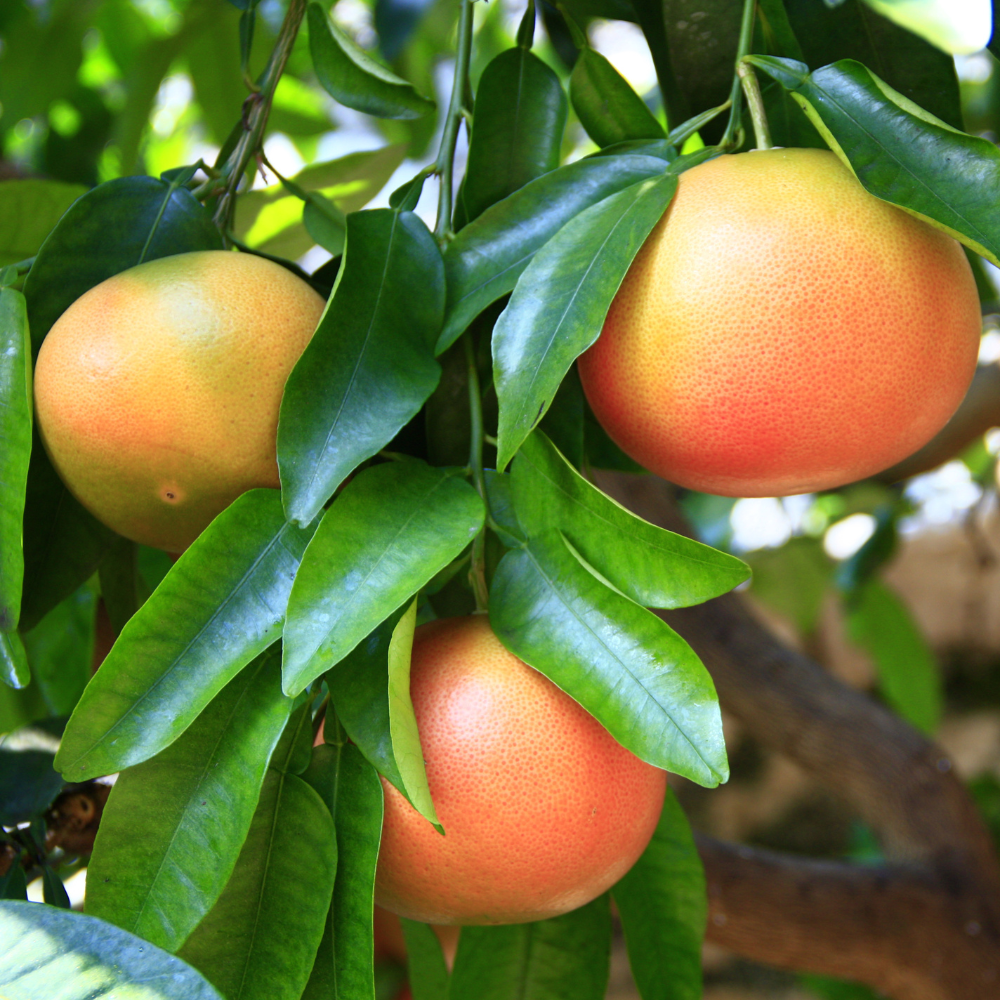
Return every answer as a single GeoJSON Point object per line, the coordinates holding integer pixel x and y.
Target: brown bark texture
{"type": "Point", "coordinates": [923, 926]}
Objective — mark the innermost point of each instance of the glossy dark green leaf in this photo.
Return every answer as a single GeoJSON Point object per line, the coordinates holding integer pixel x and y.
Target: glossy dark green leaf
{"type": "Point", "coordinates": [899, 152]}
{"type": "Point", "coordinates": [53, 891]}
{"type": "Point", "coordinates": [111, 228]}
{"type": "Point", "coordinates": [349, 786]}
{"type": "Point", "coordinates": [567, 956]}
{"type": "Point", "coordinates": [517, 128]}
{"type": "Point", "coordinates": [558, 307]}
{"type": "Point", "coordinates": [853, 30]}
{"type": "Point", "coordinates": [14, 669]}
{"type": "Point", "coordinates": [663, 905]}
{"type": "Point", "coordinates": [609, 109]}
{"type": "Point", "coordinates": [653, 17]}
{"type": "Point", "coordinates": [369, 367]}
{"type": "Point", "coordinates": [624, 665]}
{"type": "Point", "coordinates": [50, 952]}
{"type": "Point", "coordinates": [221, 604]}
{"type": "Point", "coordinates": [778, 31]}
{"type": "Point", "coordinates": [393, 527]}
{"type": "Point", "coordinates": [654, 567]}
{"type": "Point", "coordinates": [122, 587]}
{"type": "Point", "coordinates": [260, 939]}
{"type": "Point", "coordinates": [15, 453]}
{"type": "Point", "coordinates": [348, 74]}
{"type": "Point", "coordinates": [370, 689]}
{"type": "Point", "coordinates": [60, 651]}
{"type": "Point", "coordinates": [163, 854]}
{"type": "Point", "coordinates": [28, 210]}
{"type": "Point", "coordinates": [565, 422]}
{"type": "Point", "coordinates": [428, 973]}
{"type": "Point", "coordinates": [13, 884]}
{"type": "Point", "coordinates": [908, 675]}
{"type": "Point", "coordinates": [63, 543]}
{"type": "Point", "coordinates": [500, 500]}
{"type": "Point", "coordinates": [487, 257]}
{"type": "Point", "coordinates": [28, 781]}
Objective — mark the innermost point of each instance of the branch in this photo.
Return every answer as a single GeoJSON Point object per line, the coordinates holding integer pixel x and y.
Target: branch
{"type": "Point", "coordinates": [926, 927]}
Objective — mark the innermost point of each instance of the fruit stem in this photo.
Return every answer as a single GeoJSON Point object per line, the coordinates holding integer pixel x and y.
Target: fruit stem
{"type": "Point", "coordinates": [742, 49]}
{"type": "Point", "coordinates": [755, 104]}
{"type": "Point", "coordinates": [477, 570]}
{"type": "Point", "coordinates": [445, 165]}
{"type": "Point", "coordinates": [256, 110]}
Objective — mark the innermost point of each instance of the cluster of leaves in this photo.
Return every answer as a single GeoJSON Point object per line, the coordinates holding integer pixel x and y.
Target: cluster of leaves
{"type": "Point", "coordinates": [228, 839]}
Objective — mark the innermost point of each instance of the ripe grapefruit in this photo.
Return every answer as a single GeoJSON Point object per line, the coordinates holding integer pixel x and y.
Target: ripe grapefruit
{"type": "Point", "coordinates": [542, 809]}
{"type": "Point", "coordinates": [157, 392]}
{"type": "Point", "coordinates": [783, 331]}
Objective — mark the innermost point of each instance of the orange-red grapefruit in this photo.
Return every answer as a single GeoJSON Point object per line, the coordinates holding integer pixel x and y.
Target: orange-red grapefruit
{"type": "Point", "coordinates": [542, 809]}
{"type": "Point", "coordinates": [157, 391]}
{"type": "Point", "coordinates": [783, 331]}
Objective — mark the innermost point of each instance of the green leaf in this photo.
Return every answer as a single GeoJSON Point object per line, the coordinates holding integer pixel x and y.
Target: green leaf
{"type": "Point", "coordinates": [428, 972]}
{"type": "Point", "coordinates": [122, 586]}
{"type": "Point", "coordinates": [370, 689]}
{"type": "Point", "coordinates": [792, 580]}
{"type": "Point", "coordinates": [13, 885]}
{"type": "Point", "coordinates": [487, 256]}
{"type": "Point", "coordinates": [955, 31]}
{"type": "Point", "coordinates": [28, 782]}
{"type": "Point", "coordinates": [352, 792]}
{"type": "Point", "coordinates": [53, 891]}
{"type": "Point", "coordinates": [60, 651]}
{"type": "Point", "coordinates": [51, 952]}
{"type": "Point", "coordinates": [349, 75]}
{"type": "Point", "coordinates": [15, 452]}
{"type": "Point", "coordinates": [111, 228]}
{"type": "Point", "coordinates": [624, 665]}
{"type": "Point", "coordinates": [272, 221]}
{"type": "Point", "coordinates": [654, 567]}
{"type": "Point", "coordinates": [565, 421]}
{"type": "Point", "coordinates": [663, 907]}
{"type": "Point", "coordinates": [259, 940]}
{"type": "Point", "coordinates": [162, 857]}
{"type": "Point", "coordinates": [28, 211]}
{"type": "Point", "coordinates": [63, 543]}
{"type": "Point", "coordinates": [898, 151]}
{"type": "Point", "coordinates": [567, 956]}
{"type": "Point", "coordinates": [14, 669]}
{"type": "Point", "coordinates": [558, 307]}
{"type": "Point", "coordinates": [908, 676]}
{"type": "Point", "coordinates": [369, 367]}
{"type": "Point", "coordinates": [517, 128]}
{"type": "Point", "coordinates": [393, 527]}
{"type": "Point", "coordinates": [609, 109]}
{"type": "Point", "coordinates": [852, 30]}
{"type": "Point", "coordinates": [213, 60]}
{"type": "Point", "coordinates": [221, 604]}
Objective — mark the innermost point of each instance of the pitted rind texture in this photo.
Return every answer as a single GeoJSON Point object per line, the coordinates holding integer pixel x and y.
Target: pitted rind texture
{"type": "Point", "coordinates": [157, 391]}
{"type": "Point", "coordinates": [783, 331]}
{"type": "Point", "coordinates": [542, 809]}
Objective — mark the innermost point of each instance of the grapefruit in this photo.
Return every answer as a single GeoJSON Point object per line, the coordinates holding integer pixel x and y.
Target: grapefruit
{"type": "Point", "coordinates": [542, 809]}
{"type": "Point", "coordinates": [157, 391]}
{"type": "Point", "coordinates": [783, 331]}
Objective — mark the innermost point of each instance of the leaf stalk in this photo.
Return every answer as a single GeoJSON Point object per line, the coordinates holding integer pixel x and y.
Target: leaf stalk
{"type": "Point", "coordinates": [743, 47]}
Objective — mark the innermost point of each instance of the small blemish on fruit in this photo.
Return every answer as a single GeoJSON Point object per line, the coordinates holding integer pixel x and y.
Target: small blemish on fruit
{"type": "Point", "coordinates": [171, 493]}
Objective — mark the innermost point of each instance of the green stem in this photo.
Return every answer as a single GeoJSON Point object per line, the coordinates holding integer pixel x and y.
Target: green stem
{"type": "Point", "coordinates": [258, 109]}
{"type": "Point", "coordinates": [445, 165]}
{"type": "Point", "coordinates": [742, 49]}
{"type": "Point", "coordinates": [755, 104]}
{"type": "Point", "coordinates": [477, 571]}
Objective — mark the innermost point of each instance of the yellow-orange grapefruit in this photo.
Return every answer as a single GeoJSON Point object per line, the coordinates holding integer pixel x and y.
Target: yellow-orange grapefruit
{"type": "Point", "coordinates": [783, 331]}
{"type": "Point", "coordinates": [157, 391]}
{"type": "Point", "coordinates": [542, 809]}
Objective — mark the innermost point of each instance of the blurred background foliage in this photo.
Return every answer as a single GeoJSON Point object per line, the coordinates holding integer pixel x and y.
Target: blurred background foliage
{"type": "Point", "coordinates": [894, 587]}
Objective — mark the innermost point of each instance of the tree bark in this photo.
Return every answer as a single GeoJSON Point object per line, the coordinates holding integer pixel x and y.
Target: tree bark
{"type": "Point", "coordinates": [924, 926]}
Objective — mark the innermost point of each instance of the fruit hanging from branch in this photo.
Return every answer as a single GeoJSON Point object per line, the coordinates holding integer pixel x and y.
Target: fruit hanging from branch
{"type": "Point", "coordinates": [542, 809]}
{"type": "Point", "coordinates": [783, 331]}
{"type": "Point", "coordinates": [157, 391]}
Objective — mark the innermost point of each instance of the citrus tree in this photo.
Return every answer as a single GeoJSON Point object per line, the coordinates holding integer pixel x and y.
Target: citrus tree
{"type": "Point", "coordinates": [245, 483]}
